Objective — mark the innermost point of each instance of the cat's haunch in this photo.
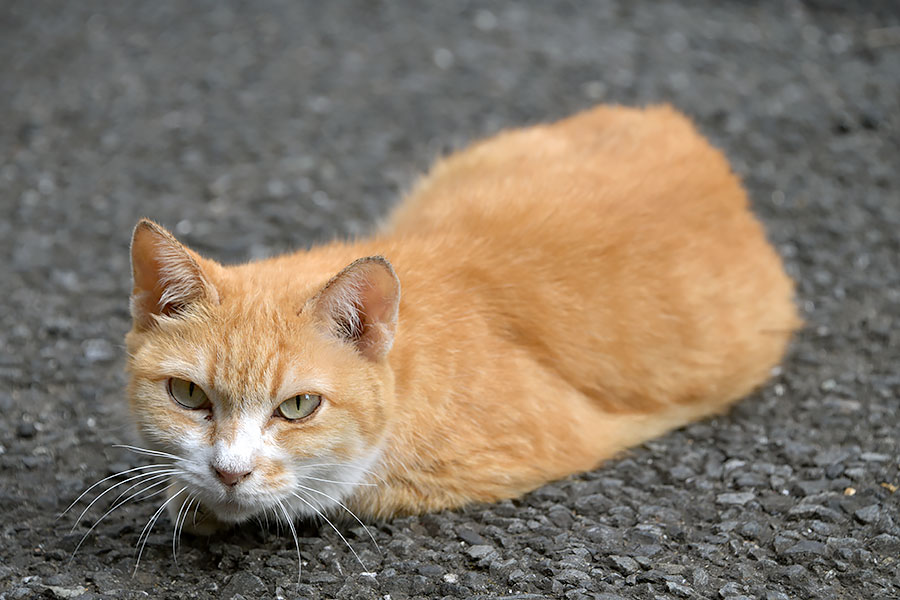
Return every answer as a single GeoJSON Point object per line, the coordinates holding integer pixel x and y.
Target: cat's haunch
{"type": "Point", "coordinates": [568, 290]}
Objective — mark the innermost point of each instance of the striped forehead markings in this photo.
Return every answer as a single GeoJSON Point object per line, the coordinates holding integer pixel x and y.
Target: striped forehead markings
{"type": "Point", "coordinates": [246, 368]}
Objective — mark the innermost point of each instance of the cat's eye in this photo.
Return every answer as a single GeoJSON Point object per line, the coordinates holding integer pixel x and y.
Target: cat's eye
{"type": "Point", "coordinates": [187, 393]}
{"type": "Point", "coordinates": [299, 406]}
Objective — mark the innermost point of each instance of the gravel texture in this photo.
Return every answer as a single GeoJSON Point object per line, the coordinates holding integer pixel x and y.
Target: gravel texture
{"type": "Point", "coordinates": [253, 128]}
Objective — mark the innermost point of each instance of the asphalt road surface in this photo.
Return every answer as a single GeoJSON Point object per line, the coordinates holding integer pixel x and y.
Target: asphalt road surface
{"type": "Point", "coordinates": [253, 128]}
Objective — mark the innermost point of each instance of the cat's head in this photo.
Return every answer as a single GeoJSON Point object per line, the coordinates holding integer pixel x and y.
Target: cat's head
{"type": "Point", "coordinates": [269, 381]}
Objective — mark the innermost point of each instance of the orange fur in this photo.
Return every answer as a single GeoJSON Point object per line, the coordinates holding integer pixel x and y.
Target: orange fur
{"type": "Point", "coordinates": [568, 290]}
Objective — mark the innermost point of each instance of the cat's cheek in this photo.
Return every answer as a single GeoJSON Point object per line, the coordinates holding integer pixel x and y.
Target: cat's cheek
{"type": "Point", "coordinates": [300, 442]}
{"type": "Point", "coordinates": [273, 474]}
{"type": "Point", "coordinates": [176, 431]}
{"type": "Point", "coordinates": [195, 463]}
{"type": "Point", "coordinates": [166, 425]}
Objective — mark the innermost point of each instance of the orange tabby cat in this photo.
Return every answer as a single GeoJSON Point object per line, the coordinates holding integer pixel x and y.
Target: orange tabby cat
{"type": "Point", "coordinates": [568, 290]}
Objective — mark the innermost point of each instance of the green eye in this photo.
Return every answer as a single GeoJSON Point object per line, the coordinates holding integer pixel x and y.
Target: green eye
{"type": "Point", "coordinates": [187, 393]}
{"type": "Point", "coordinates": [299, 406]}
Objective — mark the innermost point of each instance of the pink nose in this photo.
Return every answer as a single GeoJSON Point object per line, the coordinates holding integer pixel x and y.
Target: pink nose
{"type": "Point", "coordinates": [230, 478]}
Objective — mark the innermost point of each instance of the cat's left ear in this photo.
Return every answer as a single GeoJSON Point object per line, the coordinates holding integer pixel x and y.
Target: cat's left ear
{"type": "Point", "coordinates": [167, 276]}
{"type": "Point", "coordinates": [361, 304]}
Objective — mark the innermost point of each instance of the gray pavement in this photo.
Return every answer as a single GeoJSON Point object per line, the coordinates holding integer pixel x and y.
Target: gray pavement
{"type": "Point", "coordinates": [254, 128]}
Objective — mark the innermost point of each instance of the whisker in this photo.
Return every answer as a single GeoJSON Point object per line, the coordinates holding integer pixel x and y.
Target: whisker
{"type": "Point", "coordinates": [113, 476]}
{"type": "Point", "coordinates": [321, 506]}
{"type": "Point", "coordinates": [149, 527]}
{"type": "Point", "coordinates": [193, 498]}
{"type": "Point", "coordinates": [148, 476]}
{"type": "Point", "coordinates": [346, 466]}
{"type": "Point", "coordinates": [290, 523]}
{"type": "Point", "coordinates": [336, 530]}
{"type": "Point", "coordinates": [185, 503]}
{"type": "Point", "coordinates": [277, 520]}
{"type": "Point", "coordinates": [140, 498]}
{"type": "Point", "coordinates": [117, 505]}
{"type": "Point", "coordinates": [333, 481]}
{"type": "Point", "coordinates": [138, 450]}
{"type": "Point", "coordinates": [341, 504]}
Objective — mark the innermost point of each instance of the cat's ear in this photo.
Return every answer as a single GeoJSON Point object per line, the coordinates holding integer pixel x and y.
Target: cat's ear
{"type": "Point", "coordinates": [360, 305]}
{"type": "Point", "coordinates": [167, 275]}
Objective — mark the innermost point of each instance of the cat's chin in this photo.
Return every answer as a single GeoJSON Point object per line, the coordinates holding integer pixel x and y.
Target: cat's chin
{"type": "Point", "coordinates": [233, 513]}
{"type": "Point", "coordinates": [203, 519]}
{"type": "Point", "coordinates": [205, 523]}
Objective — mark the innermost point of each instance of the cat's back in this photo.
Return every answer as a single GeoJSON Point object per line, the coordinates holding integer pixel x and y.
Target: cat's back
{"type": "Point", "coordinates": [589, 171]}
{"type": "Point", "coordinates": [617, 245]}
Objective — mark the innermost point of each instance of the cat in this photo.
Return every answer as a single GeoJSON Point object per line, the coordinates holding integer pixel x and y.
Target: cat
{"type": "Point", "coordinates": [540, 301]}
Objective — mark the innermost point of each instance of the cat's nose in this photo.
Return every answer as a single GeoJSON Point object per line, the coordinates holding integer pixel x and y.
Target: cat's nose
{"type": "Point", "coordinates": [231, 478]}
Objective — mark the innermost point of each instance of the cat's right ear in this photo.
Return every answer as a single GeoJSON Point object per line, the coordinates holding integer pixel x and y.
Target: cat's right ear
{"type": "Point", "coordinates": [167, 275]}
{"type": "Point", "coordinates": [360, 305]}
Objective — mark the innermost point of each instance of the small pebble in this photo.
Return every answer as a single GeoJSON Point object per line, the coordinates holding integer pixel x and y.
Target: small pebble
{"type": "Point", "coordinates": [868, 514]}
{"type": "Point", "coordinates": [480, 551]}
{"type": "Point", "coordinates": [625, 564]}
{"type": "Point", "coordinates": [737, 498]}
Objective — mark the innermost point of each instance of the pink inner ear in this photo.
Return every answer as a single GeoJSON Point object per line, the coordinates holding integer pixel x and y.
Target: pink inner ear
{"type": "Point", "coordinates": [146, 269]}
{"type": "Point", "coordinates": [166, 276]}
{"type": "Point", "coordinates": [379, 296]}
{"type": "Point", "coordinates": [362, 303]}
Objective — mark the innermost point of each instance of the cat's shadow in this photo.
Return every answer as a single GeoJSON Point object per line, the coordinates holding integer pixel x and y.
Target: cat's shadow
{"type": "Point", "coordinates": [252, 534]}
{"type": "Point", "coordinates": [238, 547]}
